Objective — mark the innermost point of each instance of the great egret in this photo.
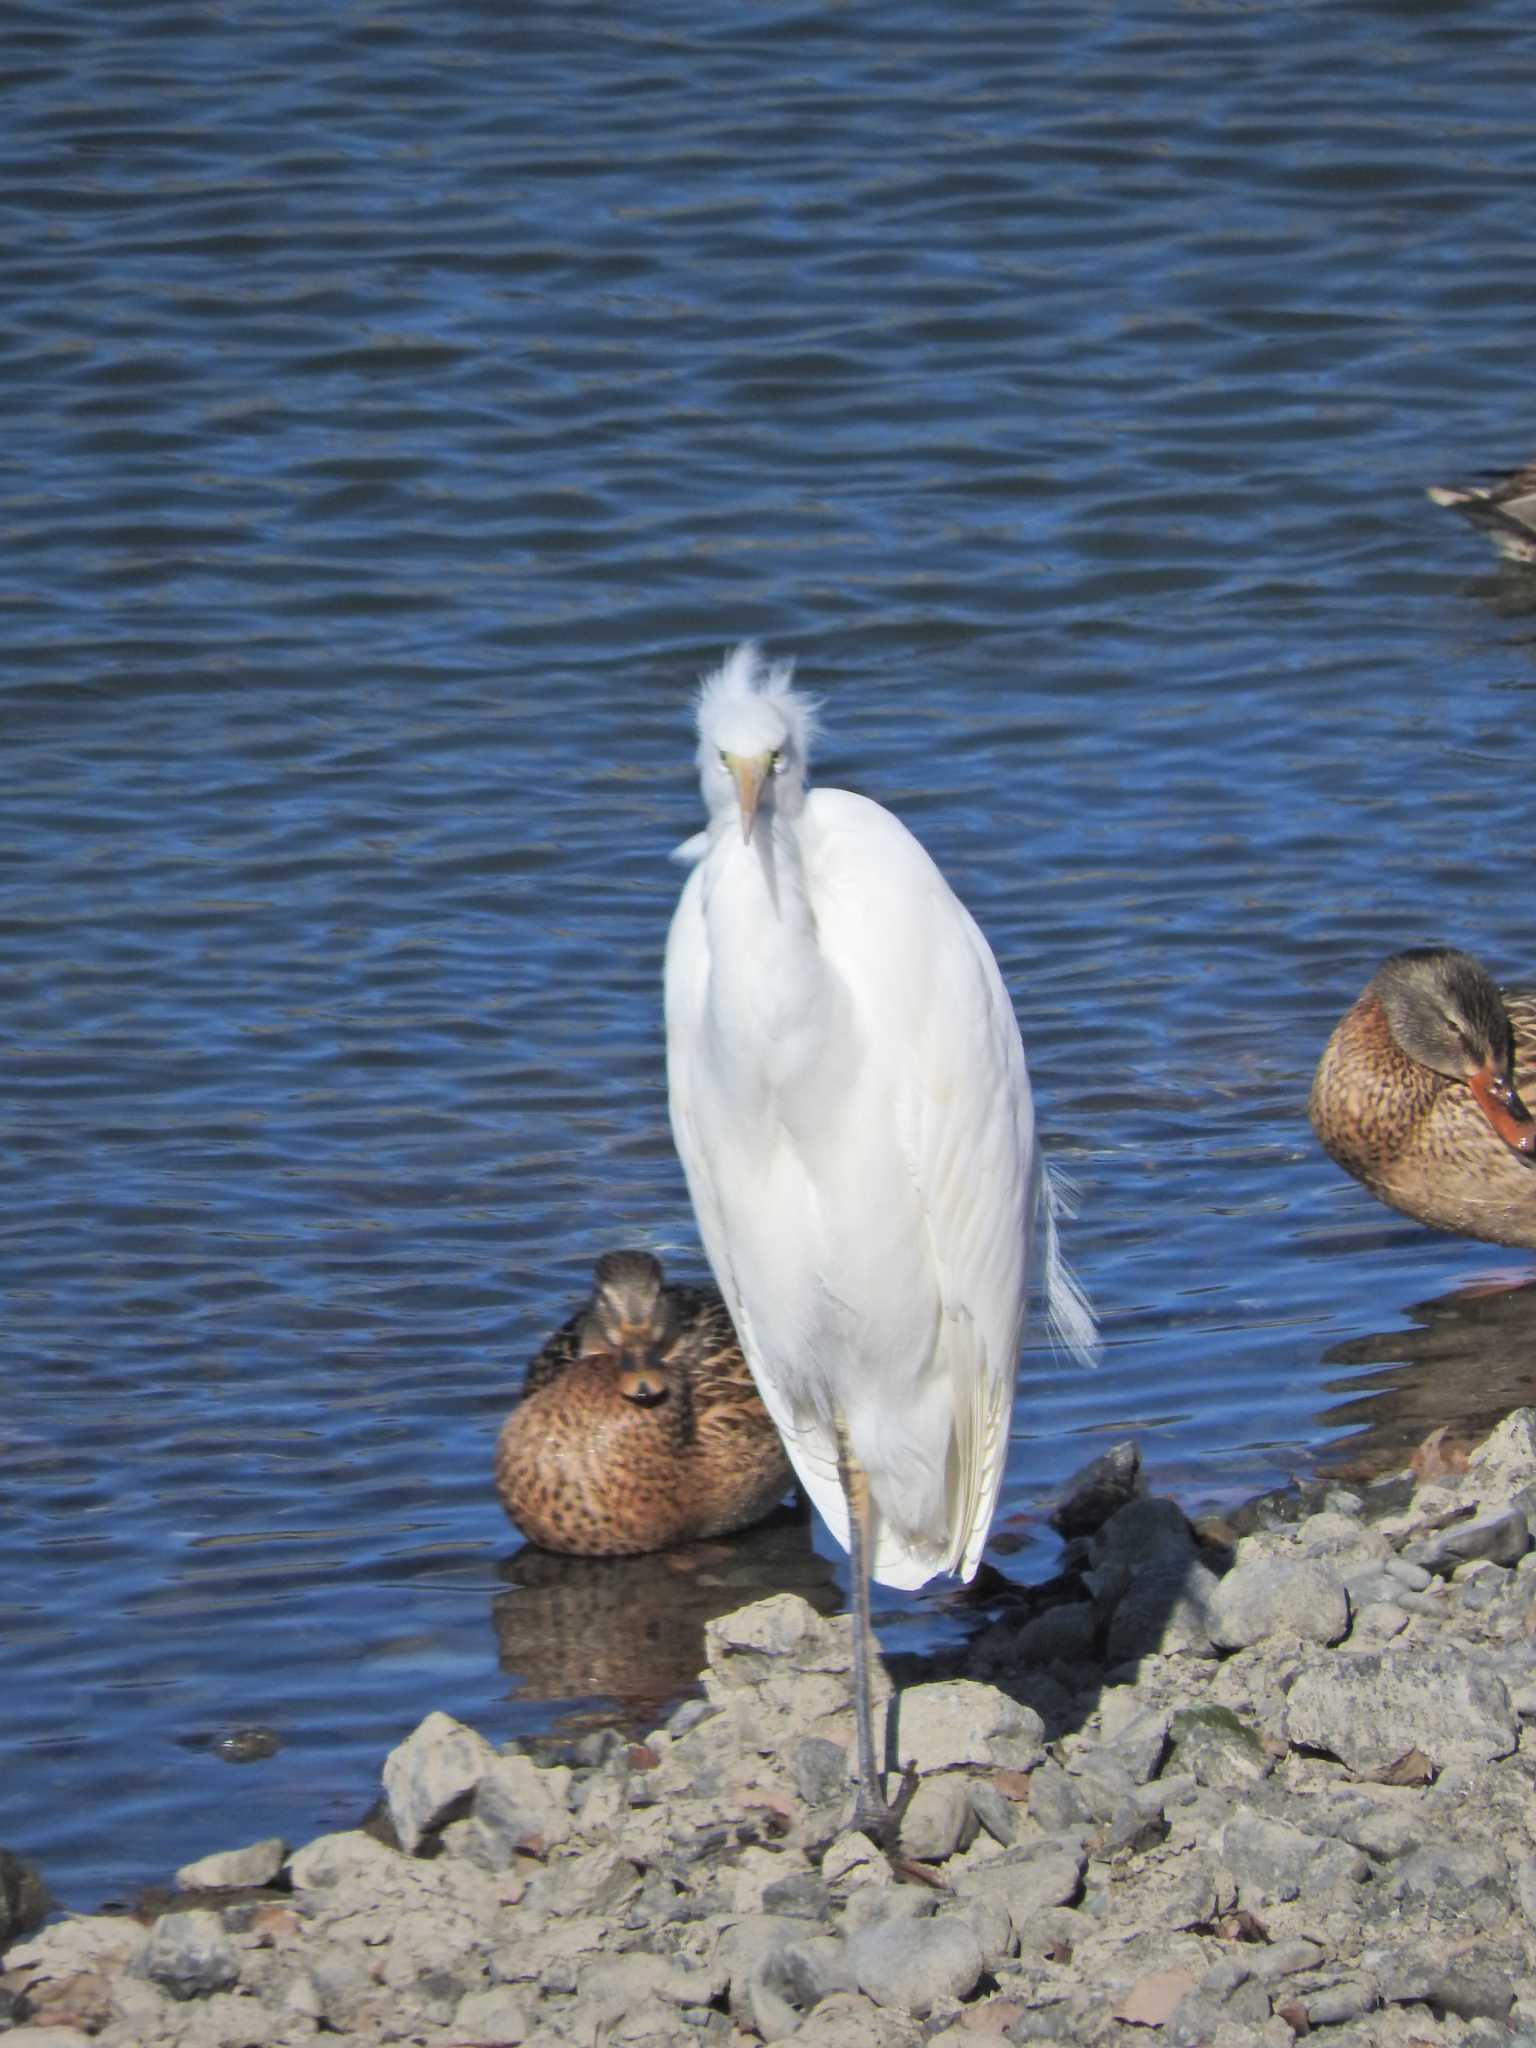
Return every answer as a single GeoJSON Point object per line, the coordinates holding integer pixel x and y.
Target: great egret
{"type": "Point", "coordinates": [852, 1109]}
{"type": "Point", "coordinates": [639, 1426]}
{"type": "Point", "coordinates": [1417, 1095]}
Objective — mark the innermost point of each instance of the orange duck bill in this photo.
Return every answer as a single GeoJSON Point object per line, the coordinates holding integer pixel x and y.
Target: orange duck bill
{"type": "Point", "coordinates": [1495, 1096]}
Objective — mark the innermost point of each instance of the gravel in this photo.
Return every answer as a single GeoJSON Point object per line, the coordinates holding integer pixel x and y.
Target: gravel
{"type": "Point", "coordinates": [1243, 1788]}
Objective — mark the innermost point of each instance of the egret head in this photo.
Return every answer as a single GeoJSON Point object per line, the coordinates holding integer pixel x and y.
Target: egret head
{"type": "Point", "coordinates": [755, 736]}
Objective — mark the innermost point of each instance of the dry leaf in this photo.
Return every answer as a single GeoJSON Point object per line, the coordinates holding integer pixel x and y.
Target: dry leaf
{"type": "Point", "coordinates": [1242, 1926]}
{"type": "Point", "coordinates": [1152, 2000]}
{"type": "Point", "coordinates": [1413, 1767]}
{"type": "Point", "coordinates": [1294, 2013]}
{"type": "Point", "coordinates": [995, 2017]}
{"type": "Point", "coordinates": [1437, 1457]}
{"type": "Point", "coordinates": [1012, 1784]}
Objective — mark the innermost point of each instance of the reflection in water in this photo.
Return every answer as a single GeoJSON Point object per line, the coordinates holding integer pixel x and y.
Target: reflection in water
{"type": "Point", "coordinates": [1469, 1360]}
{"type": "Point", "coordinates": [631, 1629]}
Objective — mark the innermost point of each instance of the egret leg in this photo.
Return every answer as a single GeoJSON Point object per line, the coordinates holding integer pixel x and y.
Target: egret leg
{"type": "Point", "coordinates": [873, 1813]}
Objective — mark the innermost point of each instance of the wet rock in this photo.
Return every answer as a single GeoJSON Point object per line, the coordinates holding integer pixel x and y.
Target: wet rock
{"type": "Point", "coordinates": [189, 1955]}
{"type": "Point", "coordinates": [428, 1778]}
{"type": "Point", "coordinates": [916, 1965]}
{"type": "Point", "coordinates": [23, 1897]}
{"type": "Point", "coordinates": [1369, 1708]}
{"type": "Point", "coordinates": [1099, 1491]}
{"type": "Point", "coordinates": [1266, 1596]}
{"type": "Point", "coordinates": [232, 1869]}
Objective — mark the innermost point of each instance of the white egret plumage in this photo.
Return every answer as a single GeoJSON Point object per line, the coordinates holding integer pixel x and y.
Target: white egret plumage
{"type": "Point", "coordinates": [852, 1109]}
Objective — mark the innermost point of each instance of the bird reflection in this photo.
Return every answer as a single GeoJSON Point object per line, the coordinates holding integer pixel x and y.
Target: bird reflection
{"type": "Point", "coordinates": [630, 1630]}
{"type": "Point", "coordinates": [1469, 1359]}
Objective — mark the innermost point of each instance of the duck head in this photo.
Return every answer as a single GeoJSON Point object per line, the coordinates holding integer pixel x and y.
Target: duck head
{"type": "Point", "coordinates": [1445, 1012]}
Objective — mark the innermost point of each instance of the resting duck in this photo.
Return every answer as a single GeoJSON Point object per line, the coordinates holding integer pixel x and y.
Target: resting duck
{"type": "Point", "coordinates": [638, 1426]}
{"type": "Point", "coordinates": [1504, 507]}
{"type": "Point", "coordinates": [1417, 1094]}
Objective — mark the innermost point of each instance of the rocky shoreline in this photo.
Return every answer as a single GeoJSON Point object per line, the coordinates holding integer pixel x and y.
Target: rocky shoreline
{"type": "Point", "coordinates": [1230, 1786]}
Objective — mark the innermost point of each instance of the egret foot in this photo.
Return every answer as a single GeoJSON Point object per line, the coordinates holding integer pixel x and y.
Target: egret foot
{"type": "Point", "coordinates": [881, 1818]}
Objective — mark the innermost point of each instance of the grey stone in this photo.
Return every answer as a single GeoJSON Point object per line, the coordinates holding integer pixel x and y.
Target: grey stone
{"type": "Point", "coordinates": [778, 1972]}
{"type": "Point", "coordinates": [821, 1770]}
{"type": "Point", "coordinates": [341, 1862]}
{"type": "Point", "coordinates": [1026, 1881]}
{"type": "Point", "coordinates": [1385, 1832]}
{"type": "Point", "coordinates": [1067, 1634]}
{"type": "Point", "coordinates": [429, 1777]}
{"type": "Point", "coordinates": [916, 1965]}
{"type": "Point", "coordinates": [1278, 1596]}
{"type": "Point", "coordinates": [1402, 1571]}
{"type": "Point", "coordinates": [1369, 1708]}
{"type": "Point", "coordinates": [231, 1869]}
{"type": "Point", "coordinates": [1163, 1613]}
{"type": "Point", "coordinates": [1342, 1999]}
{"type": "Point", "coordinates": [518, 1809]}
{"type": "Point", "coordinates": [801, 1896]}
{"type": "Point", "coordinates": [1143, 1534]}
{"type": "Point", "coordinates": [1441, 1874]}
{"type": "Point", "coordinates": [1273, 1861]}
{"type": "Point", "coordinates": [1502, 1537]}
{"type": "Point", "coordinates": [1471, 1986]}
{"type": "Point", "coordinates": [959, 1721]}
{"type": "Point", "coordinates": [1054, 1800]}
{"type": "Point", "coordinates": [500, 2015]}
{"type": "Point", "coordinates": [1139, 1742]}
{"type": "Point", "coordinates": [939, 1820]}
{"type": "Point", "coordinates": [189, 1955]}
{"type": "Point", "coordinates": [995, 1811]}
{"type": "Point", "coordinates": [1218, 1749]}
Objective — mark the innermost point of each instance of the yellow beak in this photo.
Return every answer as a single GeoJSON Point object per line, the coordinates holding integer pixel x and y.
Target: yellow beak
{"type": "Point", "coordinates": [749, 777]}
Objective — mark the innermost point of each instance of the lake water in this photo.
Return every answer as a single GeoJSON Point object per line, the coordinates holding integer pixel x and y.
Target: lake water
{"type": "Point", "coordinates": [402, 405]}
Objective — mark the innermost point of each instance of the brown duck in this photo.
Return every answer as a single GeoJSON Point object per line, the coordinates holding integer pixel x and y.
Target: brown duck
{"type": "Point", "coordinates": [1503, 506]}
{"type": "Point", "coordinates": [639, 1425]}
{"type": "Point", "coordinates": [1417, 1094]}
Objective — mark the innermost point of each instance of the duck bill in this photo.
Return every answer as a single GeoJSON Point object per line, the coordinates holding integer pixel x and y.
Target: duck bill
{"type": "Point", "coordinates": [1496, 1098]}
{"type": "Point", "coordinates": [749, 789]}
{"type": "Point", "coordinates": [642, 1379]}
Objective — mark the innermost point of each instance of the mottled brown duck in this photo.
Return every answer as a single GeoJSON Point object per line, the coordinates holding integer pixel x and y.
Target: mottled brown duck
{"type": "Point", "coordinates": [1503, 507]}
{"type": "Point", "coordinates": [1418, 1095]}
{"type": "Point", "coordinates": [639, 1426]}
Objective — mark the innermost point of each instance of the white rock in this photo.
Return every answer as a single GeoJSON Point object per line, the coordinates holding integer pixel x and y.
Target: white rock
{"type": "Point", "coordinates": [1370, 1707]}
{"type": "Point", "coordinates": [958, 1721]}
{"type": "Point", "coordinates": [229, 1869]}
{"type": "Point", "coordinates": [1277, 1596]}
{"type": "Point", "coordinates": [1505, 1461]}
{"type": "Point", "coordinates": [430, 1776]}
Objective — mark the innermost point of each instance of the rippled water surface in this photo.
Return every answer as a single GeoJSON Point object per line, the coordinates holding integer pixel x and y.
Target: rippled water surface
{"type": "Point", "coordinates": [401, 405]}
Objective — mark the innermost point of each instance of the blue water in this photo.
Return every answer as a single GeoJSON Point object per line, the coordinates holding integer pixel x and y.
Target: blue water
{"type": "Point", "coordinates": [399, 407]}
